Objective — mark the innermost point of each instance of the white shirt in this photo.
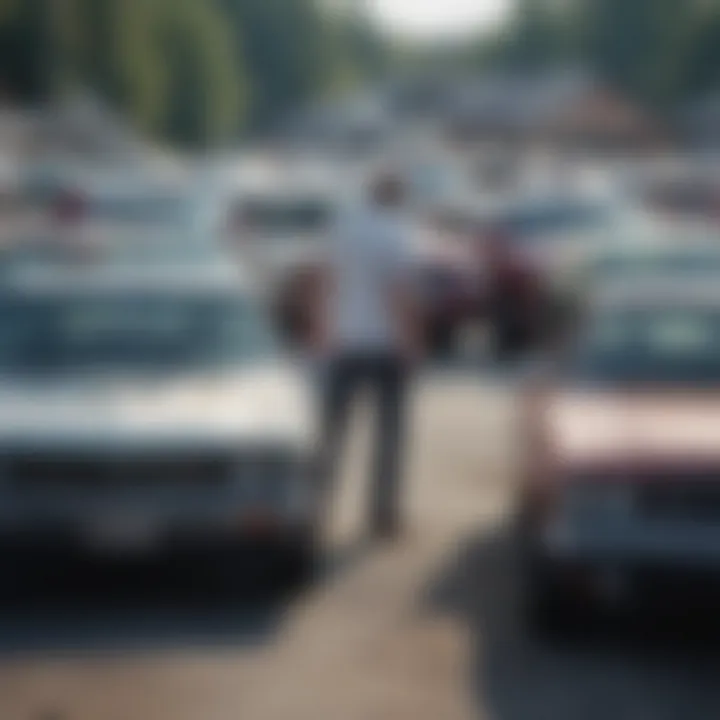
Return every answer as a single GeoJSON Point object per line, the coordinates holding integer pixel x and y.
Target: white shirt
{"type": "Point", "coordinates": [370, 255]}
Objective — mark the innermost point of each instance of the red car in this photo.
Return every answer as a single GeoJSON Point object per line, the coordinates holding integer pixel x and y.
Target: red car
{"type": "Point", "coordinates": [452, 292]}
{"type": "Point", "coordinates": [526, 246]}
{"type": "Point", "coordinates": [621, 435]}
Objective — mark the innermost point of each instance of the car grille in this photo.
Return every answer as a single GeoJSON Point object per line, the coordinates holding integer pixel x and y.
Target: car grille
{"type": "Point", "coordinates": [93, 474]}
{"type": "Point", "coordinates": [697, 500]}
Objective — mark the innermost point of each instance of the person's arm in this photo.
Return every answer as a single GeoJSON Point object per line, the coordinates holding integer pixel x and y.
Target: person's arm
{"type": "Point", "coordinates": [404, 302]}
{"type": "Point", "coordinates": [319, 301]}
{"type": "Point", "coordinates": [408, 320]}
{"type": "Point", "coordinates": [322, 291]}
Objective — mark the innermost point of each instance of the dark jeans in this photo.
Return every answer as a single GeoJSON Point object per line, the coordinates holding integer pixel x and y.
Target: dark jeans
{"type": "Point", "coordinates": [385, 375]}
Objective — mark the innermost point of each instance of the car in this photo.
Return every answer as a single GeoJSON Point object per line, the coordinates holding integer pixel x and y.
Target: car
{"type": "Point", "coordinates": [278, 215]}
{"type": "Point", "coordinates": [278, 224]}
{"type": "Point", "coordinates": [146, 412]}
{"type": "Point", "coordinates": [533, 249]}
{"type": "Point", "coordinates": [448, 279]}
{"type": "Point", "coordinates": [688, 192]}
{"type": "Point", "coordinates": [130, 219]}
{"type": "Point", "coordinates": [620, 479]}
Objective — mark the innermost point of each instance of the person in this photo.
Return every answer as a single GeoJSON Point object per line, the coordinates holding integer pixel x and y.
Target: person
{"type": "Point", "coordinates": [367, 331]}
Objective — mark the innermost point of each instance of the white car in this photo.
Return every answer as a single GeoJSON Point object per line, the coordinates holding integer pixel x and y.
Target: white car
{"type": "Point", "coordinates": [145, 411]}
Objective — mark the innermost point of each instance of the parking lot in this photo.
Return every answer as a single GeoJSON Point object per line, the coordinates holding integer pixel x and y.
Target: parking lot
{"type": "Point", "coordinates": [427, 628]}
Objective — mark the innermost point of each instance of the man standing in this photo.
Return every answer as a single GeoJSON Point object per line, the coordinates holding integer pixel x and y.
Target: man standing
{"type": "Point", "coordinates": [367, 329]}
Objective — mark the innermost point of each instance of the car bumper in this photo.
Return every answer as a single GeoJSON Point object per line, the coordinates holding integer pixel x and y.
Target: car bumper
{"type": "Point", "coordinates": [155, 533]}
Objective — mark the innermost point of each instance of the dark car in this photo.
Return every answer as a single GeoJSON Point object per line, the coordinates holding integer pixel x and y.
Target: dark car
{"type": "Point", "coordinates": [452, 296]}
{"type": "Point", "coordinates": [531, 250]}
{"type": "Point", "coordinates": [450, 279]}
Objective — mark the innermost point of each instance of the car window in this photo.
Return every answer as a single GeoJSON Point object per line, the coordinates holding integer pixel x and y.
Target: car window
{"type": "Point", "coordinates": [139, 333]}
{"type": "Point", "coordinates": [138, 209]}
{"type": "Point", "coordinates": [277, 216]}
{"type": "Point", "coordinates": [649, 265]}
{"type": "Point", "coordinates": [651, 345]}
{"type": "Point", "coordinates": [532, 222]}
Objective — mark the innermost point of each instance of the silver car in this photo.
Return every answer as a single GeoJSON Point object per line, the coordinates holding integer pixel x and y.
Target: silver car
{"type": "Point", "coordinates": [145, 411]}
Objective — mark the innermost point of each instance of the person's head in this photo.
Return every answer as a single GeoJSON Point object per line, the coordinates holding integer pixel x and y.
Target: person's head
{"type": "Point", "coordinates": [387, 190]}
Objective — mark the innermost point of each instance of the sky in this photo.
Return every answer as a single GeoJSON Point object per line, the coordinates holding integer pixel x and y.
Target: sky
{"type": "Point", "coordinates": [430, 19]}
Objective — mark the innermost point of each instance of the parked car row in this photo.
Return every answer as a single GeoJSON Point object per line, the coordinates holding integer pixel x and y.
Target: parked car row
{"type": "Point", "coordinates": [146, 408]}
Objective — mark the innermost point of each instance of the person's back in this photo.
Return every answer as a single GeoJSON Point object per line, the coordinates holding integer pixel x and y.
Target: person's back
{"type": "Point", "coordinates": [369, 259]}
{"type": "Point", "coordinates": [370, 334]}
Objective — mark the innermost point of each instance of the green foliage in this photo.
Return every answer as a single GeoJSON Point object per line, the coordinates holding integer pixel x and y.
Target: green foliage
{"type": "Point", "coordinates": [287, 47]}
{"type": "Point", "coordinates": [206, 84]}
{"type": "Point", "coordinates": [538, 36]}
{"type": "Point", "coordinates": [660, 51]}
{"type": "Point", "coordinates": [196, 72]}
{"type": "Point", "coordinates": [25, 48]}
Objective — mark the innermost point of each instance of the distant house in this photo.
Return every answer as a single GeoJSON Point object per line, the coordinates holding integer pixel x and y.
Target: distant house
{"type": "Point", "coordinates": [699, 123]}
{"type": "Point", "coordinates": [78, 129]}
{"type": "Point", "coordinates": [568, 109]}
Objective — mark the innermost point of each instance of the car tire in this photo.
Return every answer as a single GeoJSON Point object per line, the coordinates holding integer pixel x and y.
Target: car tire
{"type": "Point", "coordinates": [16, 569]}
{"type": "Point", "coordinates": [509, 340]}
{"type": "Point", "coordinates": [551, 611]}
{"type": "Point", "coordinates": [297, 569]}
{"type": "Point", "coordinates": [277, 571]}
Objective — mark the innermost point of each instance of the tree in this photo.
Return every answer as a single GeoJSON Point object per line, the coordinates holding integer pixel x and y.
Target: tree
{"type": "Point", "coordinates": [702, 68]}
{"type": "Point", "coordinates": [195, 71]}
{"type": "Point", "coordinates": [287, 52]}
{"type": "Point", "coordinates": [640, 46]}
{"type": "Point", "coordinates": [655, 50]}
{"type": "Point", "coordinates": [539, 36]}
{"type": "Point", "coordinates": [25, 46]}
{"type": "Point", "coordinates": [207, 89]}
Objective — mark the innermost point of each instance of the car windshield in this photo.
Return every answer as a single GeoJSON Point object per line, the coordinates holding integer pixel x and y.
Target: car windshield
{"type": "Point", "coordinates": [145, 208]}
{"type": "Point", "coordinates": [530, 223]}
{"type": "Point", "coordinates": [660, 265]}
{"type": "Point", "coordinates": [121, 333]}
{"type": "Point", "coordinates": [282, 216]}
{"type": "Point", "coordinates": [654, 345]}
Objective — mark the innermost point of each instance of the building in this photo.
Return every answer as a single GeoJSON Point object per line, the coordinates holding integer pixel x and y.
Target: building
{"type": "Point", "coordinates": [565, 109]}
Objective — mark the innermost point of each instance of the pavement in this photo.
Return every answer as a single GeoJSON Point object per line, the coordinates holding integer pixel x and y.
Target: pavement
{"type": "Point", "coordinates": [425, 629]}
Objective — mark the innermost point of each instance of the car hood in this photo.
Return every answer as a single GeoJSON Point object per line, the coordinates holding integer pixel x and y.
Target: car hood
{"type": "Point", "coordinates": [255, 406]}
{"type": "Point", "coordinates": [587, 427]}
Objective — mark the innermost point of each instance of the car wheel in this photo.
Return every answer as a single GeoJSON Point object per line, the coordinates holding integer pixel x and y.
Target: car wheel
{"type": "Point", "coordinates": [509, 340]}
{"type": "Point", "coordinates": [551, 610]}
{"type": "Point", "coordinates": [16, 569]}
{"type": "Point", "coordinates": [298, 568]}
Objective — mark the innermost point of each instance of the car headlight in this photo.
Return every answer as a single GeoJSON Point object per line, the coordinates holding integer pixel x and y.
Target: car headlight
{"type": "Point", "coordinates": [598, 502]}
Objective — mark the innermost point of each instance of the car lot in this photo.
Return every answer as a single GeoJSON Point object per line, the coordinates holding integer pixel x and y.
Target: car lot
{"type": "Point", "coordinates": [425, 629]}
